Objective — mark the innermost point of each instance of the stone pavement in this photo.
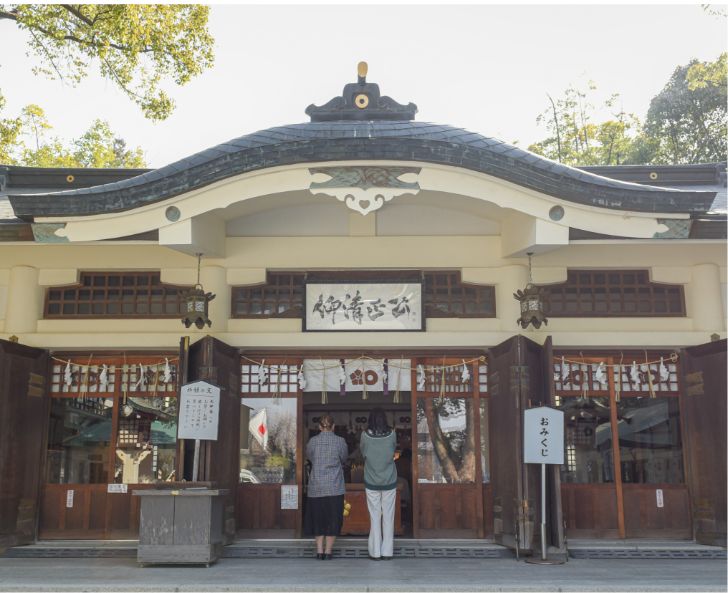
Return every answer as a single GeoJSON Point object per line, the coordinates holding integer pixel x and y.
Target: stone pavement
{"type": "Point", "coordinates": [360, 574]}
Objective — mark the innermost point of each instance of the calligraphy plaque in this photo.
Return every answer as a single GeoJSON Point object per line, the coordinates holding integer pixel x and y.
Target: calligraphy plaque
{"type": "Point", "coordinates": [199, 411]}
{"type": "Point", "coordinates": [383, 306]}
{"type": "Point", "coordinates": [543, 436]}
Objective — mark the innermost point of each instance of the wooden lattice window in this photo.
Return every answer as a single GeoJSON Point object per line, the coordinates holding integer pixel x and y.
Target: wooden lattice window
{"type": "Point", "coordinates": [447, 296]}
{"type": "Point", "coordinates": [116, 294]}
{"type": "Point", "coordinates": [613, 293]}
{"type": "Point", "coordinates": [271, 376]}
{"type": "Point", "coordinates": [280, 296]}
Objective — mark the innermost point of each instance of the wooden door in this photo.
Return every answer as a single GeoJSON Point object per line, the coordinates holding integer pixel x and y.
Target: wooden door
{"type": "Point", "coordinates": [517, 381]}
{"type": "Point", "coordinates": [213, 361]}
{"type": "Point", "coordinates": [111, 429]}
{"type": "Point", "coordinates": [623, 475]}
{"type": "Point", "coordinates": [23, 419]}
{"type": "Point", "coordinates": [703, 399]}
{"type": "Point", "coordinates": [447, 469]}
{"type": "Point", "coordinates": [270, 462]}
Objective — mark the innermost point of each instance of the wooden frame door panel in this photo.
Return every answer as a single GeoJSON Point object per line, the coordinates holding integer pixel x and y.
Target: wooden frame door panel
{"type": "Point", "coordinates": [703, 411]}
{"type": "Point", "coordinates": [23, 422]}
{"type": "Point", "coordinates": [453, 508]}
{"type": "Point", "coordinates": [259, 512]}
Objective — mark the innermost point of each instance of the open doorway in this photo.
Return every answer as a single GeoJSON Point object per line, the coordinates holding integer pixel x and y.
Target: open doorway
{"type": "Point", "coordinates": [351, 413]}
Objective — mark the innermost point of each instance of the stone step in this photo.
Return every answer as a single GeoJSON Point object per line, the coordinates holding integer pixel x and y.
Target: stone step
{"type": "Point", "coordinates": [403, 548]}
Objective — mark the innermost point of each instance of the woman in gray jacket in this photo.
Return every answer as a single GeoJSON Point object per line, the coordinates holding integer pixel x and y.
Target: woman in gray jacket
{"type": "Point", "coordinates": [377, 444]}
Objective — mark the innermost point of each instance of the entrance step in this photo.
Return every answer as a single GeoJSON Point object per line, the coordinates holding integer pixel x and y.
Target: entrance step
{"type": "Point", "coordinates": [270, 548]}
{"type": "Point", "coordinates": [403, 548]}
{"type": "Point", "coordinates": [357, 548]}
{"type": "Point", "coordinates": [643, 549]}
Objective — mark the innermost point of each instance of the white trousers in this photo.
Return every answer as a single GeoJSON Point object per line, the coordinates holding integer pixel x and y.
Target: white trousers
{"type": "Point", "coordinates": [381, 517]}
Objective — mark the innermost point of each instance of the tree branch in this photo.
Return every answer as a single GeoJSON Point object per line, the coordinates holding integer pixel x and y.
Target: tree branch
{"type": "Point", "coordinates": [13, 16]}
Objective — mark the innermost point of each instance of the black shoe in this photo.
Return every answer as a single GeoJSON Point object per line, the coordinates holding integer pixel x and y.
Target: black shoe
{"type": "Point", "coordinates": [328, 556]}
{"type": "Point", "coordinates": [374, 557]}
{"type": "Point", "coordinates": [386, 558]}
{"type": "Point", "coordinates": [320, 556]}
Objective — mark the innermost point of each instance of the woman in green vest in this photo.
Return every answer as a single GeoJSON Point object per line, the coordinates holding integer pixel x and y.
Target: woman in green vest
{"type": "Point", "coordinates": [377, 444]}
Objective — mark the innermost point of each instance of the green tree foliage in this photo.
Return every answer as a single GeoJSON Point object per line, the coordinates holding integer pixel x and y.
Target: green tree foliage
{"type": "Point", "coordinates": [687, 120]}
{"type": "Point", "coordinates": [686, 123]}
{"type": "Point", "coordinates": [25, 141]}
{"type": "Point", "coordinates": [576, 139]}
{"type": "Point", "coordinates": [136, 46]}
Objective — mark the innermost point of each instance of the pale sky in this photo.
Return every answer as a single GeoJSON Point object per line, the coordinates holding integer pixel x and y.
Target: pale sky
{"type": "Point", "coordinates": [486, 68]}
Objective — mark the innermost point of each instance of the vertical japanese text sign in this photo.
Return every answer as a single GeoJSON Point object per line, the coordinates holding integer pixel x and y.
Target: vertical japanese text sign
{"type": "Point", "coordinates": [543, 436]}
{"type": "Point", "coordinates": [199, 410]}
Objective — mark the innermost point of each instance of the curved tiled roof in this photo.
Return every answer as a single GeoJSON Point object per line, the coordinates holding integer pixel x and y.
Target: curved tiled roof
{"type": "Point", "coordinates": [362, 140]}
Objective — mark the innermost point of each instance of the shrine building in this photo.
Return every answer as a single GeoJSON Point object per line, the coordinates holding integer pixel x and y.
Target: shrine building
{"type": "Point", "coordinates": [360, 259]}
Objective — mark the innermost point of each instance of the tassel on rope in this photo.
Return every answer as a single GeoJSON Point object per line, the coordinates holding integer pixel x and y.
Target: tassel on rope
{"type": "Point", "coordinates": [385, 377]}
{"type": "Point", "coordinates": [277, 396]}
{"type": "Point", "coordinates": [618, 386]}
{"type": "Point", "coordinates": [650, 387]}
{"type": "Point", "coordinates": [324, 391]}
{"type": "Point", "coordinates": [364, 394]}
{"type": "Point", "coordinates": [442, 381]}
{"type": "Point", "coordinates": [84, 383]}
{"type": "Point", "coordinates": [126, 377]}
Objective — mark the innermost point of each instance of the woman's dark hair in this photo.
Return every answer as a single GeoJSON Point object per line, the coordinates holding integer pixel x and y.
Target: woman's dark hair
{"type": "Point", "coordinates": [378, 422]}
{"type": "Point", "coordinates": [326, 422]}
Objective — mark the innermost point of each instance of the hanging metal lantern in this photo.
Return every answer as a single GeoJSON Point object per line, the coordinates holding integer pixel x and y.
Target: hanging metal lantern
{"type": "Point", "coordinates": [531, 299]}
{"type": "Point", "coordinates": [197, 303]}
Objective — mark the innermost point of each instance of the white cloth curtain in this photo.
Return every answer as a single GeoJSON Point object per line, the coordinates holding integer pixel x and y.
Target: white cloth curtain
{"type": "Point", "coordinates": [358, 372]}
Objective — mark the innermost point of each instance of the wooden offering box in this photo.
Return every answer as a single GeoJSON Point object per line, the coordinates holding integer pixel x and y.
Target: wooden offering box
{"type": "Point", "coordinates": [180, 526]}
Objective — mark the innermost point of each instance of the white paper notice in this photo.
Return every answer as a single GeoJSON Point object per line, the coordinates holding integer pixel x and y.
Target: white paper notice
{"type": "Point", "coordinates": [199, 411]}
{"type": "Point", "coordinates": [69, 499]}
{"type": "Point", "coordinates": [117, 488]}
{"type": "Point", "coordinates": [289, 497]}
{"type": "Point", "coordinates": [659, 498]}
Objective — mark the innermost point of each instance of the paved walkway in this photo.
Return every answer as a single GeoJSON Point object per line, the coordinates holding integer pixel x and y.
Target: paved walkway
{"type": "Point", "coordinates": [411, 574]}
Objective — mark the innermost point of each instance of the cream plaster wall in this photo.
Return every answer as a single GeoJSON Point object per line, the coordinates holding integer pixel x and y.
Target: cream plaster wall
{"type": "Point", "coordinates": [25, 271]}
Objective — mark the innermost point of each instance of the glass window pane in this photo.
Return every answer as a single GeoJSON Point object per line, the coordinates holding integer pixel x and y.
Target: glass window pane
{"type": "Point", "coordinates": [589, 458]}
{"type": "Point", "coordinates": [78, 440]}
{"type": "Point", "coordinates": [649, 440]}
{"type": "Point", "coordinates": [147, 441]}
{"type": "Point", "coordinates": [445, 441]}
{"type": "Point", "coordinates": [484, 441]}
{"type": "Point", "coordinates": [268, 433]}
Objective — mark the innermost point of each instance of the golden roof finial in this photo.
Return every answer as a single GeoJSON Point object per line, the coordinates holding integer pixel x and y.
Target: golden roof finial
{"type": "Point", "coordinates": [361, 69]}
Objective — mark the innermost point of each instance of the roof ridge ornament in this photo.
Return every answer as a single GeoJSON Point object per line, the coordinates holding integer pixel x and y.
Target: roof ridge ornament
{"type": "Point", "coordinates": [361, 101]}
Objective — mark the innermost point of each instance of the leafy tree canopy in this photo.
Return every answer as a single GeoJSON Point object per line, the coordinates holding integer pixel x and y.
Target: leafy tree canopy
{"type": "Point", "coordinates": [685, 123]}
{"type": "Point", "coordinates": [576, 139]}
{"type": "Point", "coordinates": [25, 140]}
{"type": "Point", "coordinates": [136, 46]}
{"type": "Point", "coordinates": [687, 120]}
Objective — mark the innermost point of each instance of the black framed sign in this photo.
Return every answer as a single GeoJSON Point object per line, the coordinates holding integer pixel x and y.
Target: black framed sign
{"type": "Point", "coordinates": [363, 306]}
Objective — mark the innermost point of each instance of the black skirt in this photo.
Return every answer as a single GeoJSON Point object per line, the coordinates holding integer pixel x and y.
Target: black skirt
{"type": "Point", "coordinates": [324, 515]}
